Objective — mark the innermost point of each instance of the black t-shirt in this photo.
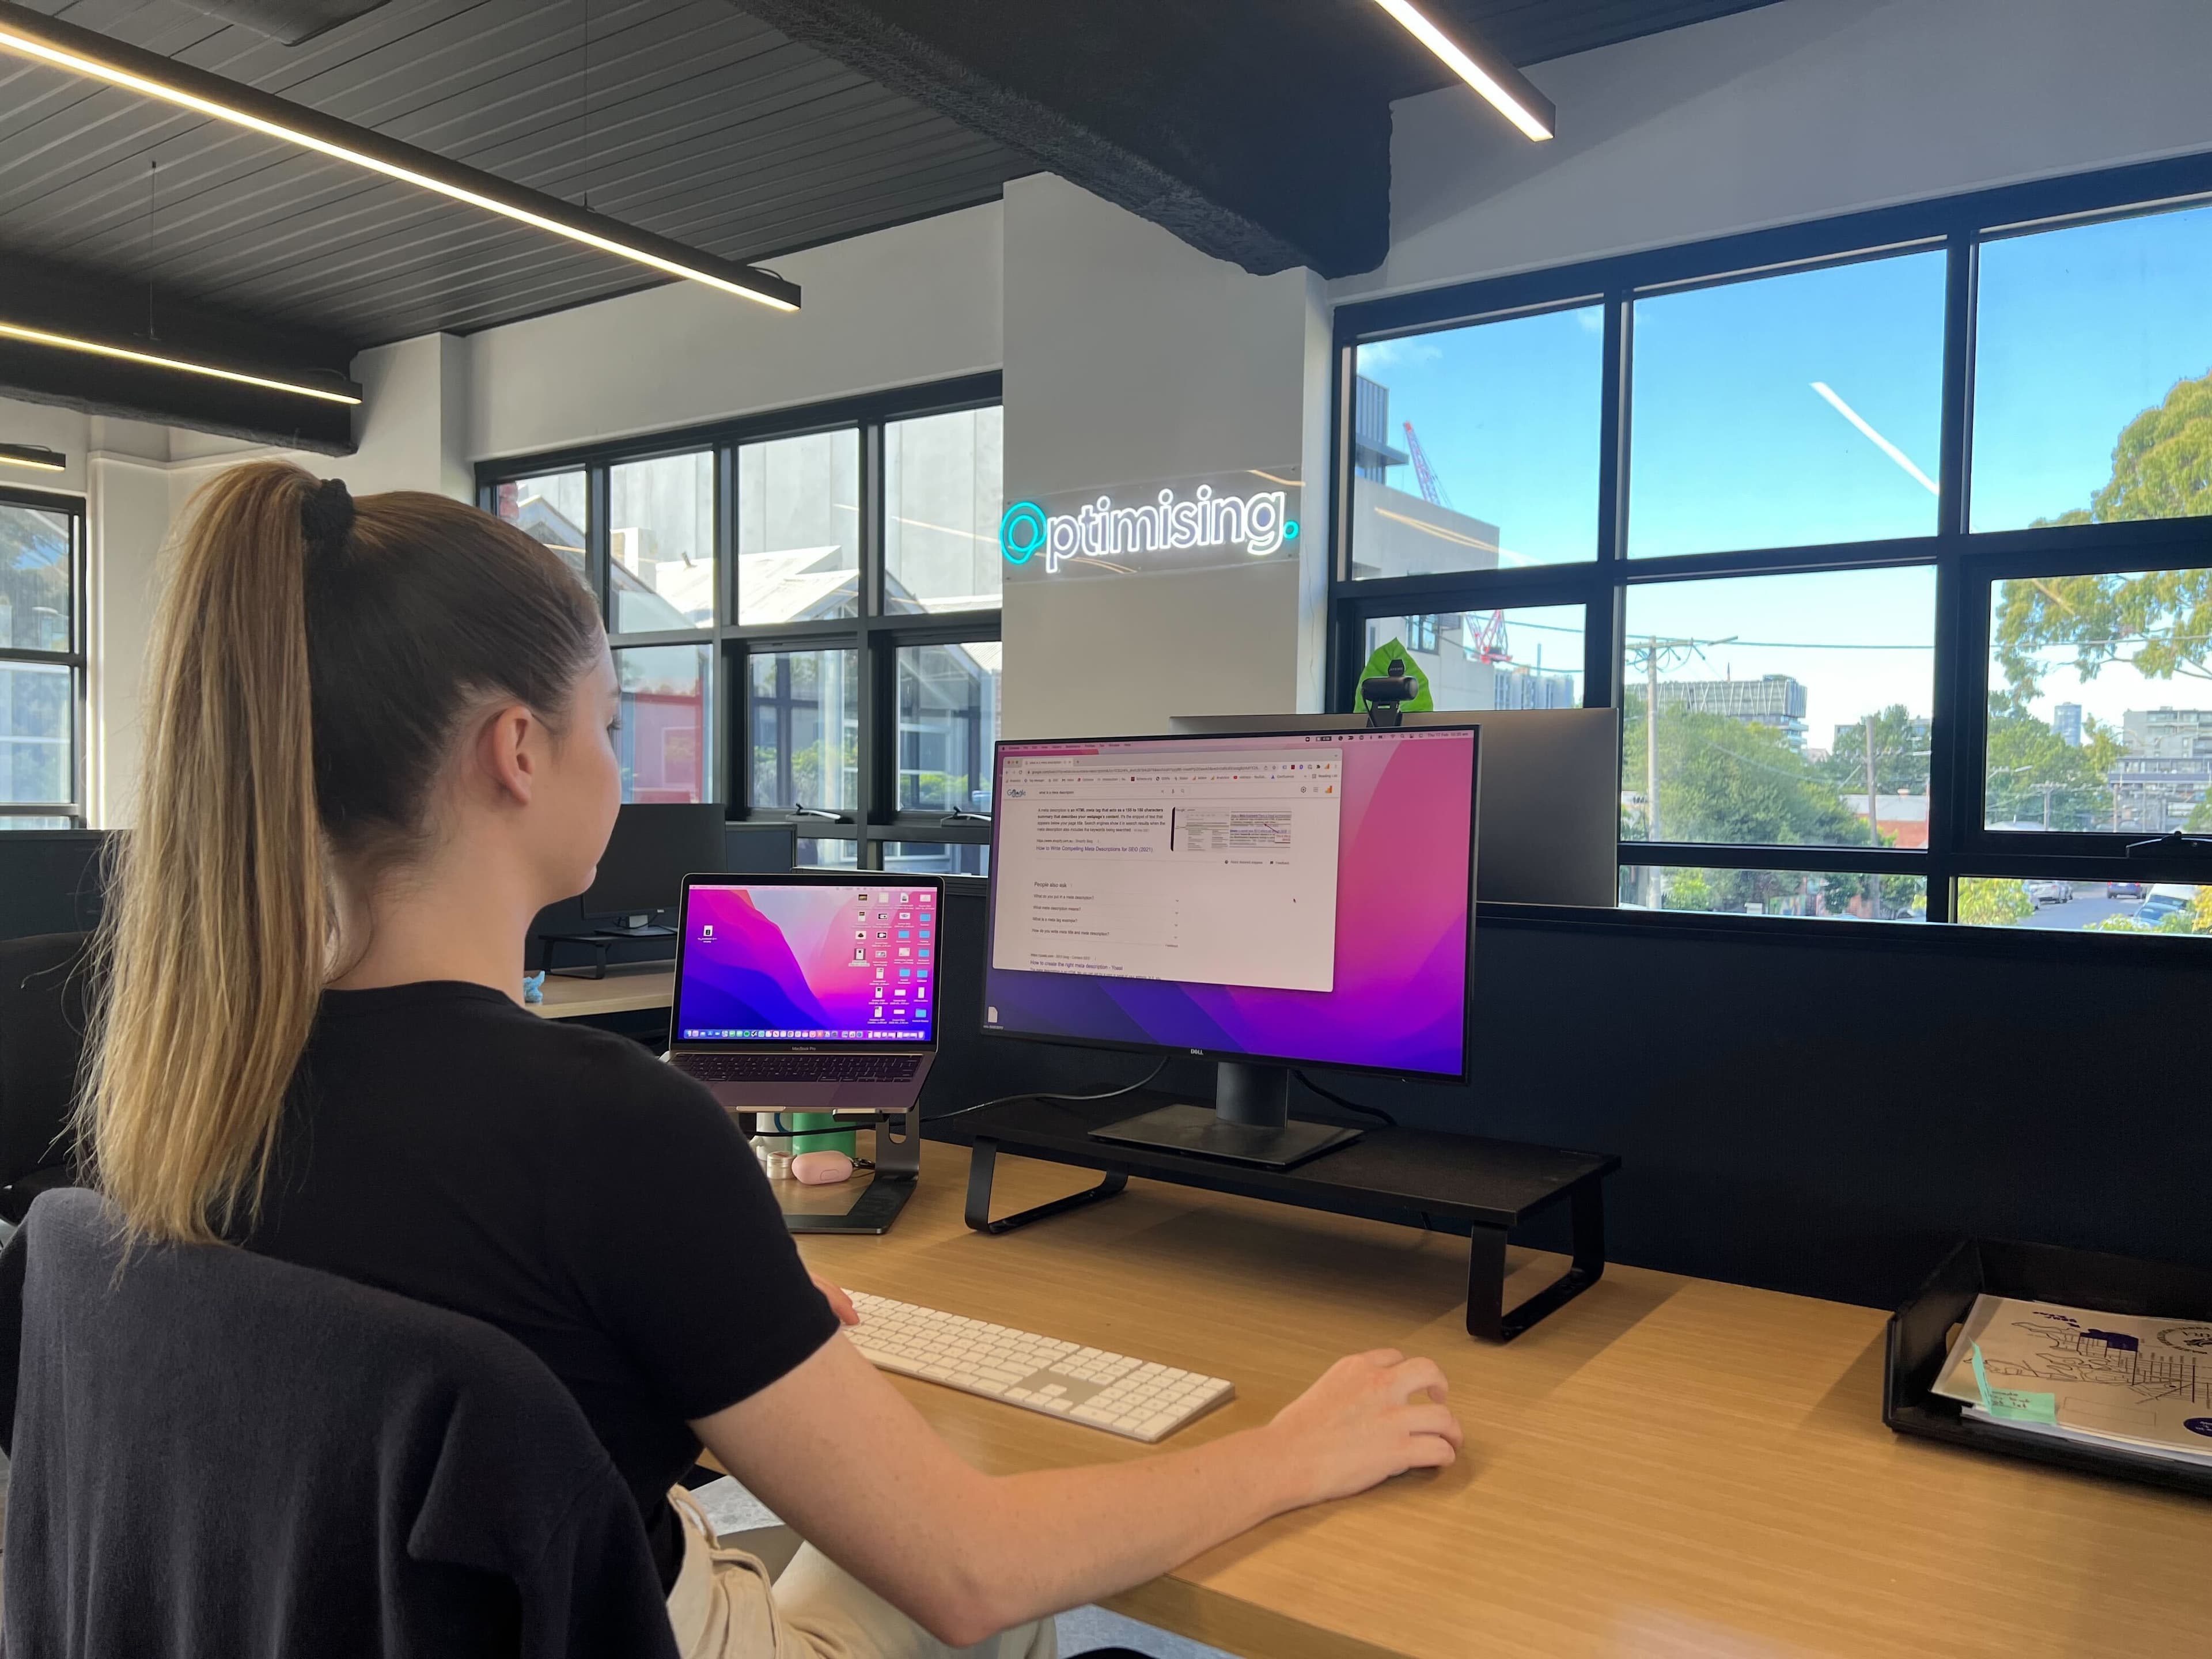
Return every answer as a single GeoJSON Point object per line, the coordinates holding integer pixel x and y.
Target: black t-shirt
{"type": "Point", "coordinates": [560, 1184]}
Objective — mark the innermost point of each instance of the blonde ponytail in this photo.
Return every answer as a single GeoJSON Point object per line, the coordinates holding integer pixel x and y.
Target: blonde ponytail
{"type": "Point", "coordinates": [312, 660]}
{"type": "Point", "coordinates": [216, 952]}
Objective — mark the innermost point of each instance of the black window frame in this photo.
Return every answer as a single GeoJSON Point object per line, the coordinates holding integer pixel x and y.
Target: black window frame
{"type": "Point", "coordinates": [875, 634]}
{"type": "Point", "coordinates": [1967, 564]}
{"type": "Point", "coordinates": [76, 659]}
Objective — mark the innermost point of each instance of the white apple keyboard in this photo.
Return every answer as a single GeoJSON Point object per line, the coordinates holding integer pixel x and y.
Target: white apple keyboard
{"type": "Point", "coordinates": [1042, 1374]}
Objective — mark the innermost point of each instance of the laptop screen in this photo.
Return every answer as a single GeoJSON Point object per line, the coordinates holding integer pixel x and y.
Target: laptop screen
{"type": "Point", "coordinates": [819, 961]}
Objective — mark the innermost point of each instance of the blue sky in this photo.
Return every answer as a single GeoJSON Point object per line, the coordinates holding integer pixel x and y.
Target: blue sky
{"type": "Point", "coordinates": [1732, 447]}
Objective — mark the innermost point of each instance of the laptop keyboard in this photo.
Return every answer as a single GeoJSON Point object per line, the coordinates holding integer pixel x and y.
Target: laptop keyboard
{"type": "Point", "coordinates": [800, 1068]}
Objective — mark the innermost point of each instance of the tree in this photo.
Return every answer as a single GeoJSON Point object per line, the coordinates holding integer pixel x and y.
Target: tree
{"type": "Point", "coordinates": [2030, 766]}
{"type": "Point", "coordinates": [1901, 755]}
{"type": "Point", "coordinates": [1725, 779]}
{"type": "Point", "coordinates": [1986, 902]}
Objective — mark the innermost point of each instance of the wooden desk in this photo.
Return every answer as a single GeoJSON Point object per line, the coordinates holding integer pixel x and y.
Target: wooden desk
{"type": "Point", "coordinates": [624, 990]}
{"type": "Point", "coordinates": [1668, 1469]}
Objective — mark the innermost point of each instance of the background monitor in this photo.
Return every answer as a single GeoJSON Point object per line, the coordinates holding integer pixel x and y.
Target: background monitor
{"type": "Point", "coordinates": [51, 881]}
{"type": "Point", "coordinates": [1305, 898]}
{"type": "Point", "coordinates": [655, 844]}
{"type": "Point", "coordinates": [1551, 795]}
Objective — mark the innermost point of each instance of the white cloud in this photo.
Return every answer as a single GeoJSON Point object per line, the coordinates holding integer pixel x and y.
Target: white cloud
{"type": "Point", "coordinates": [1389, 354]}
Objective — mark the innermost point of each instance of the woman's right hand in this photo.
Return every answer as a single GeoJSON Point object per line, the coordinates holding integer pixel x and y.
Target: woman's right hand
{"type": "Point", "coordinates": [1371, 1416]}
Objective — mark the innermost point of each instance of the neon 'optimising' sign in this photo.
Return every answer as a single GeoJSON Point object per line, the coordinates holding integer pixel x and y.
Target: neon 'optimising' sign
{"type": "Point", "coordinates": [1259, 522]}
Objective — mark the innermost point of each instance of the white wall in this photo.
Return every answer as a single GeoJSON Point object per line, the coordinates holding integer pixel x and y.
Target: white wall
{"type": "Point", "coordinates": [904, 307]}
{"type": "Point", "coordinates": [1790, 113]}
{"type": "Point", "coordinates": [1131, 357]}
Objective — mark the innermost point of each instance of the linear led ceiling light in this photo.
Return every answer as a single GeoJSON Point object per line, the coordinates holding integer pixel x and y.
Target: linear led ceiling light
{"type": "Point", "coordinates": [155, 360]}
{"type": "Point", "coordinates": [37, 457]}
{"type": "Point", "coordinates": [83, 52]}
{"type": "Point", "coordinates": [1505, 86]}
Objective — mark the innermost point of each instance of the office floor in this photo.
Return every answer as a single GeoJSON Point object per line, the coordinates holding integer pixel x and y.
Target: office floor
{"type": "Point", "coordinates": [733, 1510]}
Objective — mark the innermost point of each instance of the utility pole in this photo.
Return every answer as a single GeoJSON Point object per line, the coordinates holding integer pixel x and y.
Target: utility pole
{"type": "Point", "coordinates": [1873, 821]}
{"type": "Point", "coordinates": [1653, 647]}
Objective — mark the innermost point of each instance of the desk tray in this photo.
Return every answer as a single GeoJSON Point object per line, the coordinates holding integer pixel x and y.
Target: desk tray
{"type": "Point", "coordinates": [1919, 1338]}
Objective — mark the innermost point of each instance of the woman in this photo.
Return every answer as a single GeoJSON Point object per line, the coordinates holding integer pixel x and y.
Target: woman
{"type": "Point", "coordinates": [378, 739]}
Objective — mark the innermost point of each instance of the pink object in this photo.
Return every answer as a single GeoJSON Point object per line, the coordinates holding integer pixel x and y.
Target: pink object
{"type": "Point", "coordinates": [821, 1168]}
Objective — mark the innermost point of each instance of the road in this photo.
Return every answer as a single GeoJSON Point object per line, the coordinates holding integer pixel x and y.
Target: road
{"type": "Point", "coordinates": [2088, 905]}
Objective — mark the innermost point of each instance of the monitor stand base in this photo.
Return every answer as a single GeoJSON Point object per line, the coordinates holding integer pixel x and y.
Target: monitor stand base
{"type": "Point", "coordinates": [1201, 1132]}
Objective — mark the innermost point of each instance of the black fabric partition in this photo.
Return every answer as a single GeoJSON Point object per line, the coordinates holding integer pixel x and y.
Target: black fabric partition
{"type": "Point", "coordinates": [1793, 1110]}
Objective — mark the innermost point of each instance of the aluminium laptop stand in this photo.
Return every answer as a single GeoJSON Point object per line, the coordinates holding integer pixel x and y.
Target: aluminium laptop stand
{"type": "Point", "coordinates": [877, 1204]}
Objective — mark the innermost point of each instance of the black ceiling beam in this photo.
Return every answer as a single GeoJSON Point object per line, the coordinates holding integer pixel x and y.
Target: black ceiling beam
{"type": "Point", "coordinates": [85, 304]}
{"type": "Point", "coordinates": [1219, 121]}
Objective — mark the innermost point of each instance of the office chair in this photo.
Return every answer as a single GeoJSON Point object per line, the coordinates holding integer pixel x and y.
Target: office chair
{"type": "Point", "coordinates": [216, 1453]}
{"type": "Point", "coordinates": [43, 1019]}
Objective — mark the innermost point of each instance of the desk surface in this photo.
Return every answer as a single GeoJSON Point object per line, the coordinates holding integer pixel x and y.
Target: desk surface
{"type": "Point", "coordinates": [624, 990]}
{"type": "Point", "coordinates": [1669, 1466]}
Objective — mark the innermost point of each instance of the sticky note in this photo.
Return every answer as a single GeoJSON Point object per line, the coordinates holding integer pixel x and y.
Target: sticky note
{"type": "Point", "coordinates": [2014, 1404]}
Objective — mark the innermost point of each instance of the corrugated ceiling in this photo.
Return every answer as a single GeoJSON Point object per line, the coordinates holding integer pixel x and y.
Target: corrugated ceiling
{"type": "Point", "coordinates": [691, 120]}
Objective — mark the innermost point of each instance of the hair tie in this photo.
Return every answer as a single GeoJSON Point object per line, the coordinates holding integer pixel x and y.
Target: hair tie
{"type": "Point", "coordinates": [327, 516]}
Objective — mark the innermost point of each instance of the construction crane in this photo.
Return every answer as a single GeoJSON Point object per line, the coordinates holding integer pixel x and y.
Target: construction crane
{"type": "Point", "coordinates": [1488, 645]}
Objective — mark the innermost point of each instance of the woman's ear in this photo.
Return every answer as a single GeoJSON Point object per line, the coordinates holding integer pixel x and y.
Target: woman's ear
{"type": "Point", "coordinates": [510, 749]}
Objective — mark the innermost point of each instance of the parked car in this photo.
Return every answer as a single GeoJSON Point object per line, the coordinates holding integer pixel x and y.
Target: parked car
{"type": "Point", "coordinates": [2050, 892]}
{"type": "Point", "coordinates": [2165, 900]}
{"type": "Point", "coordinates": [2123, 890]}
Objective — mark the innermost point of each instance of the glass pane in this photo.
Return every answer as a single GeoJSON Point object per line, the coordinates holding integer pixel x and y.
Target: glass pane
{"type": "Point", "coordinates": [943, 495]}
{"type": "Point", "coordinates": [948, 726]}
{"type": "Point", "coordinates": [829, 854]}
{"type": "Point", "coordinates": [1789, 410]}
{"type": "Point", "coordinates": [37, 732]}
{"type": "Point", "coordinates": [1822, 896]}
{"type": "Point", "coordinates": [662, 543]}
{"type": "Point", "coordinates": [798, 528]}
{"type": "Point", "coordinates": [6, 824]}
{"type": "Point", "coordinates": [1477, 447]}
{"type": "Point", "coordinates": [2087, 678]}
{"type": "Point", "coordinates": [554, 507]}
{"type": "Point", "coordinates": [934, 858]}
{"type": "Point", "coordinates": [35, 579]}
{"type": "Point", "coordinates": [1772, 699]}
{"type": "Point", "coordinates": [804, 717]}
{"type": "Point", "coordinates": [666, 740]}
{"type": "Point", "coordinates": [2098, 907]}
{"type": "Point", "coordinates": [2093, 373]}
{"type": "Point", "coordinates": [1530, 658]}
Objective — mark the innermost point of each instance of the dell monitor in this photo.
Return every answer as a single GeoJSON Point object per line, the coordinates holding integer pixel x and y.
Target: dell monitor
{"type": "Point", "coordinates": [655, 844]}
{"type": "Point", "coordinates": [1263, 900]}
{"type": "Point", "coordinates": [1551, 795]}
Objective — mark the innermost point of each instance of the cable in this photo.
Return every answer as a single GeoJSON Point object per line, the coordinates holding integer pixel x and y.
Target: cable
{"type": "Point", "coordinates": [1348, 1105]}
{"type": "Point", "coordinates": [1008, 1100]}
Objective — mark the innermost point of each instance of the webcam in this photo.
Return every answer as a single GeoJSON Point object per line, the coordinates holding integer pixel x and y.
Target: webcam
{"type": "Point", "coordinates": [1385, 693]}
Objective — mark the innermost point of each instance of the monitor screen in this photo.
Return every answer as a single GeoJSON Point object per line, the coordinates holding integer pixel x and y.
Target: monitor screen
{"type": "Point", "coordinates": [654, 845]}
{"type": "Point", "coordinates": [796, 961]}
{"type": "Point", "coordinates": [1300, 897]}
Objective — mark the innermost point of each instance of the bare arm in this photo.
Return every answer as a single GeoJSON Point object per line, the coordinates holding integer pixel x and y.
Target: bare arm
{"type": "Point", "coordinates": [838, 1452]}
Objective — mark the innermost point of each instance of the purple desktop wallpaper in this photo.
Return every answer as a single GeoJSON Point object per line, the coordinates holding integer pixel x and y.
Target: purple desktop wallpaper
{"type": "Point", "coordinates": [837, 963]}
{"type": "Point", "coordinates": [1401, 941]}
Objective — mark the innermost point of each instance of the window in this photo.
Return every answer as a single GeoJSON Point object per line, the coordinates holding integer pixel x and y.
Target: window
{"type": "Point", "coordinates": [943, 496]}
{"type": "Point", "coordinates": [1789, 410]}
{"type": "Point", "coordinates": [805, 711]}
{"type": "Point", "coordinates": [804, 614]}
{"type": "Point", "coordinates": [41, 662]}
{"type": "Point", "coordinates": [665, 741]}
{"type": "Point", "coordinates": [1521, 658]}
{"type": "Point", "coordinates": [1476, 448]}
{"type": "Point", "coordinates": [1890, 571]}
{"type": "Point", "coordinates": [556, 508]}
{"type": "Point", "coordinates": [661, 542]}
{"type": "Point", "coordinates": [2093, 360]}
{"type": "Point", "coordinates": [798, 528]}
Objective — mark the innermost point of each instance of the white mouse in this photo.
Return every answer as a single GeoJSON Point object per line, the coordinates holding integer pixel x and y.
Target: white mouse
{"type": "Point", "coordinates": [821, 1168]}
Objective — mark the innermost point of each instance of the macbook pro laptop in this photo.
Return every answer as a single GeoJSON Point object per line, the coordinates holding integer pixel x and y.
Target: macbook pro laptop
{"type": "Point", "coordinates": [810, 992]}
